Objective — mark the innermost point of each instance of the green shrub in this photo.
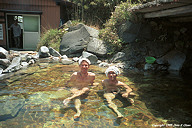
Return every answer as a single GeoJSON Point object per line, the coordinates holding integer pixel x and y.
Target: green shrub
{"type": "Point", "coordinates": [121, 14]}
{"type": "Point", "coordinates": [51, 38]}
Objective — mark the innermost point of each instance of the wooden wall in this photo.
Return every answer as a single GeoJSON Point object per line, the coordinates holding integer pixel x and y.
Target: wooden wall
{"type": "Point", "coordinates": [47, 9]}
{"type": "Point", "coordinates": [50, 17]}
{"type": "Point", "coordinates": [2, 21]}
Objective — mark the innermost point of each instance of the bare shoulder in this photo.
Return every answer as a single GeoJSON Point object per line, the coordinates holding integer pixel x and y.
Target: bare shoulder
{"type": "Point", "coordinates": [74, 74]}
{"type": "Point", "coordinates": [91, 74]}
{"type": "Point", "coordinates": [105, 81]}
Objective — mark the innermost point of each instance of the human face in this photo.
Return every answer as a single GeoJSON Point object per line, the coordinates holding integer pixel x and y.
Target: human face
{"type": "Point", "coordinates": [112, 75]}
{"type": "Point", "coordinates": [84, 66]}
{"type": "Point", "coordinates": [16, 22]}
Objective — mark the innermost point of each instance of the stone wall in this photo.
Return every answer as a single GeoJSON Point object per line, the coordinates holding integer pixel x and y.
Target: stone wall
{"type": "Point", "coordinates": [169, 42]}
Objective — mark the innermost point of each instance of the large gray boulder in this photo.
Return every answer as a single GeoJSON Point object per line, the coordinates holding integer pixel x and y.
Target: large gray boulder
{"type": "Point", "coordinates": [10, 106]}
{"type": "Point", "coordinates": [130, 31]}
{"type": "Point", "coordinates": [175, 59]}
{"type": "Point", "coordinates": [93, 58]}
{"type": "Point", "coordinates": [76, 27]}
{"type": "Point", "coordinates": [3, 53]}
{"type": "Point", "coordinates": [75, 41]}
{"type": "Point", "coordinates": [79, 38]}
{"type": "Point", "coordinates": [120, 56]}
{"type": "Point", "coordinates": [93, 32]}
{"type": "Point", "coordinates": [98, 47]}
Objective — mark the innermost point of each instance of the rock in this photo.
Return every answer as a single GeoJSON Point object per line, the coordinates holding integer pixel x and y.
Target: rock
{"type": "Point", "coordinates": [55, 59]}
{"type": "Point", "coordinates": [43, 65]}
{"type": "Point", "coordinates": [99, 61]}
{"type": "Point", "coordinates": [120, 65]}
{"type": "Point", "coordinates": [29, 58]}
{"type": "Point", "coordinates": [24, 64]}
{"type": "Point", "coordinates": [76, 40]}
{"type": "Point", "coordinates": [93, 58]}
{"type": "Point", "coordinates": [93, 32]}
{"type": "Point", "coordinates": [76, 59]}
{"type": "Point", "coordinates": [1, 70]}
{"type": "Point", "coordinates": [158, 48]}
{"type": "Point", "coordinates": [14, 66]}
{"type": "Point", "coordinates": [38, 98]}
{"type": "Point", "coordinates": [149, 67]}
{"type": "Point", "coordinates": [45, 60]}
{"type": "Point", "coordinates": [44, 98]}
{"type": "Point", "coordinates": [64, 57]}
{"type": "Point", "coordinates": [44, 52]}
{"type": "Point", "coordinates": [35, 57]}
{"type": "Point", "coordinates": [53, 52]}
{"type": "Point", "coordinates": [16, 54]}
{"type": "Point", "coordinates": [32, 57]}
{"type": "Point", "coordinates": [62, 94]}
{"type": "Point", "coordinates": [76, 27]}
{"type": "Point", "coordinates": [161, 61]}
{"type": "Point", "coordinates": [120, 56]}
{"type": "Point", "coordinates": [68, 23]}
{"type": "Point", "coordinates": [32, 61]}
{"type": "Point", "coordinates": [4, 63]}
{"type": "Point", "coordinates": [3, 53]}
{"type": "Point", "coordinates": [98, 47]}
{"type": "Point", "coordinates": [103, 64]}
{"type": "Point", "coordinates": [175, 60]}
{"type": "Point", "coordinates": [10, 106]}
{"type": "Point", "coordinates": [130, 31]}
{"type": "Point", "coordinates": [66, 61]}
{"type": "Point", "coordinates": [162, 68]}
{"type": "Point", "coordinates": [183, 30]}
{"type": "Point", "coordinates": [25, 57]}
{"type": "Point", "coordinates": [127, 33]}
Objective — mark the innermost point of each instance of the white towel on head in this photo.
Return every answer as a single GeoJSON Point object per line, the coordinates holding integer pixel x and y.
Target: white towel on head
{"type": "Point", "coordinates": [84, 59]}
{"type": "Point", "coordinates": [114, 69]}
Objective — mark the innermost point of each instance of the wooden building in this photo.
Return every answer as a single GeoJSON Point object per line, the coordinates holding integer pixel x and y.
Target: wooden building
{"type": "Point", "coordinates": [174, 10]}
{"type": "Point", "coordinates": [34, 17]}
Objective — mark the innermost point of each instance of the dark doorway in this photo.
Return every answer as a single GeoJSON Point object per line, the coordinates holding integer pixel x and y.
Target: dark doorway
{"type": "Point", "coordinates": [10, 20]}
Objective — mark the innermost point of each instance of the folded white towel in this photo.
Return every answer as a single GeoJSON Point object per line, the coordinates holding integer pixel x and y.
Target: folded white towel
{"type": "Point", "coordinates": [112, 68]}
{"type": "Point", "coordinates": [84, 59]}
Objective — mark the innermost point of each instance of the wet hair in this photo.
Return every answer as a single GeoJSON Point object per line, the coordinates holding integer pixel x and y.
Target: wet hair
{"type": "Point", "coordinates": [112, 68]}
{"type": "Point", "coordinates": [84, 59]}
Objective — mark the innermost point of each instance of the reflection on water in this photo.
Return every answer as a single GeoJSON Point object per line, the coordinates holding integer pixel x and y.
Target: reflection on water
{"type": "Point", "coordinates": [30, 99]}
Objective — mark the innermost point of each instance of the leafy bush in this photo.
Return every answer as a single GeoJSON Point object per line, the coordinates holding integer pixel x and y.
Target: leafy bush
{"type": "Point", "coordinates": [121, 14]}
{"type": "Point", "coordinates": [51, 38]}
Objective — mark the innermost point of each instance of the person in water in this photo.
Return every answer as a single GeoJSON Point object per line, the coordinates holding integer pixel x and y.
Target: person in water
{"type": "Point", "coordinates": [112, 87]}
{"type": "Point", "coordinates": [81, 81]}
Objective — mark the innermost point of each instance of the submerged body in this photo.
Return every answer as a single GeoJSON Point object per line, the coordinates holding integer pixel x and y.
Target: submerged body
{"type": "Point", "coordinates": [112, 87]}
{"type": "Point", "coordinates": [81, 82]}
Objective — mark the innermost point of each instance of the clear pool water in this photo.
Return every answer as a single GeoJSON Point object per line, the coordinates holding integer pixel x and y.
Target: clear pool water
{"type": "Point", "coordinates": [32, 100]}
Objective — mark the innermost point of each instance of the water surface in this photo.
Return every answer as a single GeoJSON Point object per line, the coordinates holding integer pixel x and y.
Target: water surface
{"type": "Point", "coordinates": [161, 100]}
